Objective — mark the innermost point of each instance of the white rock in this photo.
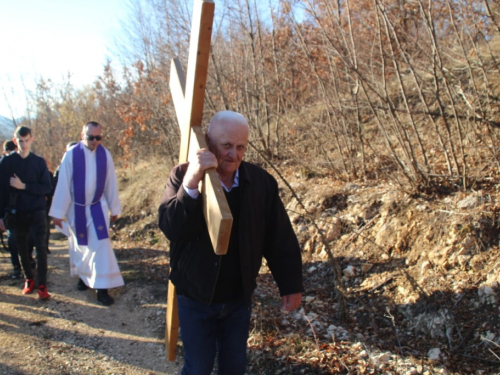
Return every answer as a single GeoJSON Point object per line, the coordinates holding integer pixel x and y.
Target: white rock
{"type": "Point", "coordinates": [310, 245]}
{"type": "Point", "coordinates": [350, 186]}
{"type": "Point", "coordinates": [426, 265]}
{"type": "Point", "coordinates": [309, 299]}
{"type": "Point", "coordinates": [349, 271]}
{"type": "Point", "coordinates": [298, 315]}
{"type": "Point", "coordinates": [384, 358]}
{"type": "Point", "coordinates": [380, 359]}
{"type": "Point", "coordinates": [357, 345]}
{"type": "Point", "coordinates": [331, 328]}
{"type": "Point", "coordinates": [403, 290]}
{"type": "Point", "coordinates": [434, 354]}
{"type": "Point", "coordinates": [468, 202]}
{"type": "Point", "coordinates": [323, 254]}
{"type": "Point", "coordinates": [366, 267]}
{"type": "Point", "coordinates": [485, 290]}
{"type": "Point", "coordinates": [311, 316]}
{"type": "Point", "coordinates": [490, 336]}
{"type": "Point", "coordinates": [335, 230]}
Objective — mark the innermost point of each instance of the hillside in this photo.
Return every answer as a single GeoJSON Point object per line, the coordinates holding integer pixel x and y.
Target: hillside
{"type": "Point", "coordinates": [420, 281]}
{"type": "Point", "coordinates": [420, 277]}
{"type": "Point", "coordinates": [382, 120]}
{"type": "Point", "coordinates": [6, 128]}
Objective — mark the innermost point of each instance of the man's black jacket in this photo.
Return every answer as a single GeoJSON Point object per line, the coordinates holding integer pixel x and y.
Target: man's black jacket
{"type": "Point", "coordinates": [264, 231]}
{"type": "Point", "coordinates": [33, 171]}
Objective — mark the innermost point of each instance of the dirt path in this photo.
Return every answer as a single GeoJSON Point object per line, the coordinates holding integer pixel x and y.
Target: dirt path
{"type": "Point", "coordinates": [72, 334]}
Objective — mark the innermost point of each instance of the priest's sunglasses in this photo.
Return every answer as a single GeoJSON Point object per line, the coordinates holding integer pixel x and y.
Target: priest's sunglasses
{"type": "Point", "coordinates": [92, 137]}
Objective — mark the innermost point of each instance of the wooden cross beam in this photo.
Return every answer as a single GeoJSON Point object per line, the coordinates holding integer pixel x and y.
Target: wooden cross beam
{"type": "Point", "coordinates": [188, 94]}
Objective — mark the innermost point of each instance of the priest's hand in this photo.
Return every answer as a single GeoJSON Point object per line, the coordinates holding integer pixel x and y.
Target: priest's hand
{"type": "Point", "coordinates": [291, 301]}
{"type": "Point", "coordinates": [16, 182]}
{"type": "Point", "coordinates": [57, 222]}
{"type": "Point", "coordinates": [2, 226]}
{"type": "Point", "coordinates": [203, 160]}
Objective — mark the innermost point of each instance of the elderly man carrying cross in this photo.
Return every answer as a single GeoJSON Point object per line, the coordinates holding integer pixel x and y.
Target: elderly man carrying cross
{"type": "Point", "coordinates": [214, 291]}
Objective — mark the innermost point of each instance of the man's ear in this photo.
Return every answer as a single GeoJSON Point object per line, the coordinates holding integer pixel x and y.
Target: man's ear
{"type": "Point", "coordinates": [15, 141]}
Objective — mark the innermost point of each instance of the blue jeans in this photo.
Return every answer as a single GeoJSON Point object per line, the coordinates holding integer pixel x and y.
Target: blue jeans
{"type": "Point", "coordinates": [220, 329]}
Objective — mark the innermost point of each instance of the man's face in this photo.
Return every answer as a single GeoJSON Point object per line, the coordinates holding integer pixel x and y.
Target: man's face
{"type": "Point", "coordinates": [24, 143]}
{"type": "Point", "coordinates": [91, 132]}
{"type": "Point", "coordinates": [228, 143]}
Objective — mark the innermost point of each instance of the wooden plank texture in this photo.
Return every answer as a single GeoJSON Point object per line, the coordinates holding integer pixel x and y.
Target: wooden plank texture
{"type": "Point", "coordinates": [215, 207]}
{"type": "Point", "coordinates": [196, 77]}
{"type": "Point", "coordinates": [172, 324]}
{"type": "Point", "coordinates": [188, 93]}
{"type": "Point", "coordinates": [177, 90]}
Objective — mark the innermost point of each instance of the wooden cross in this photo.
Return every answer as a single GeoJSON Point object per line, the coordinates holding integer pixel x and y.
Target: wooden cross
{"type": "Point", "coordinates": [188, 94]}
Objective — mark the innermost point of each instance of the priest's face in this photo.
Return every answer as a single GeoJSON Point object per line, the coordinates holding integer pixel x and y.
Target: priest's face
{"type": "Point", "coordinates": [91, 136]}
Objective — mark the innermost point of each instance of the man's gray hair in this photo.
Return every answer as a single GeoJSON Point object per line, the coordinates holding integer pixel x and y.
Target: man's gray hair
{"type": "Point", "coordinates": [227, 116]}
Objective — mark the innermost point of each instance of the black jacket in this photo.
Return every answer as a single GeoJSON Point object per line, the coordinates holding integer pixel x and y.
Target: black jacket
{"type": "Point", "coordinates": [32, 171]}
{"type": "Point", "coordinates": [265, 231]}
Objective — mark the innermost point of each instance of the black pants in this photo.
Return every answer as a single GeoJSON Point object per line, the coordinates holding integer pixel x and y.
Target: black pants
{"type": "Point", "coordinates": [14, 255]}
{"type": "Point", "coordinates": [22, 224]}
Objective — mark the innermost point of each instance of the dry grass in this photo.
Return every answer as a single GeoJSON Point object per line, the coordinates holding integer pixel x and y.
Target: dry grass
{"type": "Point", "coordinates": [141, 188]}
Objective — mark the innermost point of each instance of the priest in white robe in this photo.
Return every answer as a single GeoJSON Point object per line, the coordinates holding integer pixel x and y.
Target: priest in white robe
{"type": "Point", "coordinates": [85, 197]}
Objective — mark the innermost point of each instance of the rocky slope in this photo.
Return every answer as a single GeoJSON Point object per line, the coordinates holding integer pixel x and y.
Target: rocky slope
{"type": "Point", "coordinates": [419, 289]}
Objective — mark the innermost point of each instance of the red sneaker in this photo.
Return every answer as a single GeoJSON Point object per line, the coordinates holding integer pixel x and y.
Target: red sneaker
{"type": "Point", "coordinates": [29, 286]}
{"type": "Point", "coordinates": [42, 292]}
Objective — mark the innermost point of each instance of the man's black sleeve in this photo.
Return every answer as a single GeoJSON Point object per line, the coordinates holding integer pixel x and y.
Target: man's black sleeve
{"type": "Point", "coordinates": [4, 185]}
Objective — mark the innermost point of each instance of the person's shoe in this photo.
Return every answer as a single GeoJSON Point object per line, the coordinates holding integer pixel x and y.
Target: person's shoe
{"type": "Point", "coordinates": [29, 286]}
{"type": "Point", "coordinates": [17, 273]}
{"type": "Point", "coordinates": [42, 292]}
{"type": "Point", "coordinates": [104, 297]}
{"type": "Point", "coordinates": [81, 286]}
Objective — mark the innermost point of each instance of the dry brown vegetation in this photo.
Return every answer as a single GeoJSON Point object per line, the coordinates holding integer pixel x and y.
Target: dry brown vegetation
{"type": "Point", "coordinates": [419, 273]}
{"type": "Point", "coordinates": [380, 120]}
{"type": "Point", "coordinates": [371, 89]}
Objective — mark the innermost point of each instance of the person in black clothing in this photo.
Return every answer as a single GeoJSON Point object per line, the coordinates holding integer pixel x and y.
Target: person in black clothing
{"type": "Point", "coordinates": [214, 291]}
{"type": "Point", "coordinates": [48, 202]}
{"type": "Point", "coordinates": [9, 147]}
{"type": "Point", "coordinates": [55, 177]}
{"type": "Point", "coordinates": [24, 184]}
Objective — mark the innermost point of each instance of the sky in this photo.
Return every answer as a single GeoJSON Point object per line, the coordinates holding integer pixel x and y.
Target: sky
{"type": "Point", "coordinates": [51, 39]}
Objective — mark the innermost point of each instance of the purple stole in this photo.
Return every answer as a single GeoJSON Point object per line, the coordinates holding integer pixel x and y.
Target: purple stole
{"type": "Point", "coordinates": [79, 190]}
